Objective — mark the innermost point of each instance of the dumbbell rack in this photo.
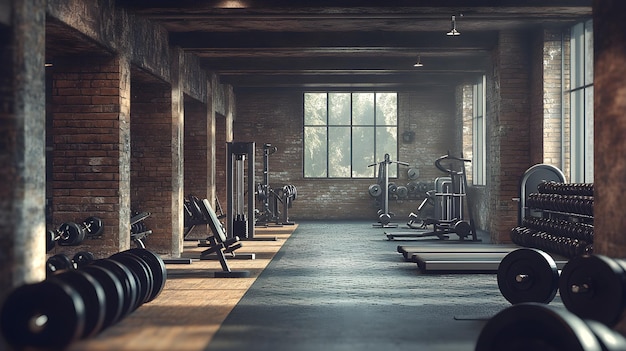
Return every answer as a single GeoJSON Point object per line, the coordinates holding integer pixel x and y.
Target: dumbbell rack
{"type": "Point", "coordinates": [558, 219]}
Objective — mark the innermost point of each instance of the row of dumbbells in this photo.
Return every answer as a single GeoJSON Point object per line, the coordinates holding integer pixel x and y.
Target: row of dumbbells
{"type": "Point", "coordinates": [80, 301]}
{"type": "Point", "coordinates": [561, 245]}
{"type": "Point", "coordinates": [73, 234]}
{"type": "Point", "coordinates": [576, 204]}
{"type": "Point", "coordinates": [552, 187]}
{"type": "Point", "coordinates": [561, 227]}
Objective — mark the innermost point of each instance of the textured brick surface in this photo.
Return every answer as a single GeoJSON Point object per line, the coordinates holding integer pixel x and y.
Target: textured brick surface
{"type": "Point", "coordinates": [276, 117]}
{"type": "Point", "coordinates": [152, 159]}
{"type": "Point", "coordinates": [89, 143]}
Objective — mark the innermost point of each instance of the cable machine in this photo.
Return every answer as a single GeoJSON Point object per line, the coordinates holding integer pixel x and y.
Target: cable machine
{"type": "Point", "coordinates": [240, 217]}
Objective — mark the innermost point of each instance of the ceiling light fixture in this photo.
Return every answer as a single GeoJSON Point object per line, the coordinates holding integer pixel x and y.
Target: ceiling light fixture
{"type": "Point", "coordinates": [453, 31]}
{"type": "Point", "coordinates": [419, 62]}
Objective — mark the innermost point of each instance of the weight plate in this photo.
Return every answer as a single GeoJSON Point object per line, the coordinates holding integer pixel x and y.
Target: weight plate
{"type": "Point", "coordinates": [94, 226]}
{"type": "Point", "coordinates": [413, 173]}
{"type": "Point", "coordinates": [129, 283]}
{"type": "Point", "coordinates": [375, 190]}
{"type": "Point", "coordinates": [402, 192]}
{"type": "Point", "coordinates": [528, 275]}
{"type": "Point", "coordinates": [83, 258]}
{"type": "Point", "coordinates": [141, 269]}
{"type": "Point", "coordinates": [71, 234]}
{"type": "Point", "coordinates": [57, 263]}
{"type": "Point", "coordinates": [462, 229]}
{"type": "Point", "coordinates": [50, 242]}
{"type": "Point", "coordinates": [157, 267]}
{"type": "Point", "coordinates": [610, 339]}
{"type": "Point", "coordinates": [592, 287]}
{"type": "Point", "coordinates": [533, 326]}
{"type": "Point", "coordinates": [93, 295]}
{"type": "Point", "coordinates": [47, 315]}
{"type": "Point", "coordinates": [113, 290]}
{"type": "Point", "coordinates": [384, 218]}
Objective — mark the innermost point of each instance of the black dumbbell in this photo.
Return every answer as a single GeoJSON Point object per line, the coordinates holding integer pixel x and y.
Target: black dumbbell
{"type": "Point", "coordinates": [62, 262]}
{"type": "Point", "coordinates": [72, 234]}
{"type": "Point", "coordinates": [533, 326]}
{"type": "Point", "coordinates": [528, 275]}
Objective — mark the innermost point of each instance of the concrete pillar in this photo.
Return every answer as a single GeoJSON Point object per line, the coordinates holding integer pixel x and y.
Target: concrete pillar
{"type": "Point", "coordinates": [211, 147]}
{"type": "Point", "coordinates": [22, 143]}
{"type": "Point", "coordinates": [178, 158]}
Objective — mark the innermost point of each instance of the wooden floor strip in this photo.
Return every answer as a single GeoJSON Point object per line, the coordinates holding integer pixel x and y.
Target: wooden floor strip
{"type": "Point", "coordinates": [192, 305]}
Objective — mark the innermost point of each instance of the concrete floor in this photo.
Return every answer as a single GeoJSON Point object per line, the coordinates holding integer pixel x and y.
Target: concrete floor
{"type": "Point", "coordinates": [343, 286]}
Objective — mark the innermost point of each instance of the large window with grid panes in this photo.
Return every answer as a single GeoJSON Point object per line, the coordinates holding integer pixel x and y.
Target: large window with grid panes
{"type": "Point", "coordinates": [346, 132]}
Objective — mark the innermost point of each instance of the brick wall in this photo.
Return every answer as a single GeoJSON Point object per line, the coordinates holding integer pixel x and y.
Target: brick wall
{"type": "Point", "coordinates": [196, 144]}
{"type": "Point", "coordinates": [220, 160]}
{"type": "Point", "coordinates": [88, 143]}
{"type": "Point", "coordinates": [276, 117]}
{"type": "Point", "coordinates": [151, 158]}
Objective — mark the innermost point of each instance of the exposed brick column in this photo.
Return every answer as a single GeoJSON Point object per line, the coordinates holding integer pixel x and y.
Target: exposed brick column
{"type": "Point", "coordinates": [90, 105]}
{"type": "Point", "coordinates": [507, 131]}
{"type": "Point", "coordinates": [609, 35]}
{"type": "Point", "coordinates": [22, 145]}
{"type": "Point", "coordinates": [609, 127]}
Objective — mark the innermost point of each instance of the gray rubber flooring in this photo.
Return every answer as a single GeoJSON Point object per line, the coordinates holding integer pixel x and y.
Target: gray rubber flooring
{"type": "Point", "coordinates": [343, 286]}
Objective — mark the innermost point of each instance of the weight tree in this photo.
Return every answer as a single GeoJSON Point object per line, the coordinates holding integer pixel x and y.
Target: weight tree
{"type": "Point", "coordinates": [240, 223]}
{"type": "Point", "coordinates": [384, 216]}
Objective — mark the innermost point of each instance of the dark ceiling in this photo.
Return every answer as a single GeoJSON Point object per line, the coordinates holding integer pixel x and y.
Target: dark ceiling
{"type": "Point", "coordinates": [348, 43]}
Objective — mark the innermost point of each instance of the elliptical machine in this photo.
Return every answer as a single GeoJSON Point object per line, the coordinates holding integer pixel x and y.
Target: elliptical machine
{"type": "Point", "coordinates": [448, 200]}
{"type": "Point", "coordinates": [384, 216]}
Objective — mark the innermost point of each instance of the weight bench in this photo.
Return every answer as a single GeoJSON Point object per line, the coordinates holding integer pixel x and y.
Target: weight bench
{"type": "Point", "coordinates": [219, 244]}
{"type": "Point", "coordinates": [465, 262]}
{"type": "Point", "coordinates": [193, 216]}
{"type": "Point", "coordinates": [408, 251]}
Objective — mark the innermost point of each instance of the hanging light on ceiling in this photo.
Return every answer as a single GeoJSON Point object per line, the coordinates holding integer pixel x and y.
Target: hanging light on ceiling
{"type": "Point", "coordinates": [419, 62]}
{"type": "Point", "coordinates": [453, 31]}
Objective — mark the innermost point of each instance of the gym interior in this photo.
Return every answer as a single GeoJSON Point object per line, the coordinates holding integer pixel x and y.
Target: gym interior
{"type": "Point", "coordinates": [268, 175]}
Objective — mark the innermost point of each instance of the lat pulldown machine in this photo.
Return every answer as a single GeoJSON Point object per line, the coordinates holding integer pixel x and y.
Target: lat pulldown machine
{"type": "Point", "coordinates": [450, 202]}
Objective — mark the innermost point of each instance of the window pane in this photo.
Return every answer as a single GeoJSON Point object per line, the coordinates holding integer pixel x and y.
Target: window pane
{"type": "Point", "coordinates": [314, 108]}
{"type": "Point", "coordinates": [588, 135]}
{"type": "Point", "coordinates": [588, 52]}
{"type": "Point", "coordinates": [339, 108]}
{"type": "Point", "coordinates": [315, 152]}
{"type": "Point", "coordinates": [386, 144]}
{"type": "Point", "coordinates": [386, 109]}
{"type": "Point", "coordinates": [577, 110]}
{"type": "Point", "coordinates": [576, 56]}
{"type": "Point", "coordinates": [339, 152]}
{"type": "Point", "coordinates": [363, 109]}
{"type": "Point", "coordinates": [363, 151]}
